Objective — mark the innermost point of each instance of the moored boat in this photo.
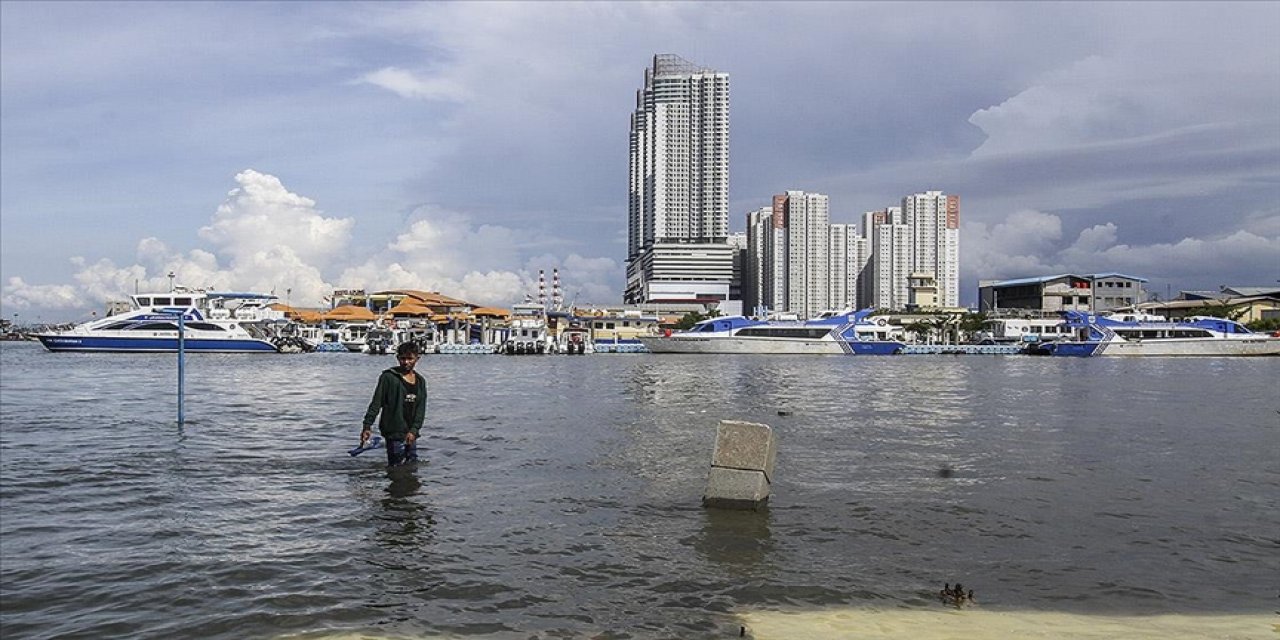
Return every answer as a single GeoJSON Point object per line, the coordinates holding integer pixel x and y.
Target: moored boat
{"type": "Point", "coordinates": [528, 330]}
{"type": "Point", "coordinates": [1142, 335]}
{"type": "Point", "coordinates": [212, 322]}
{"type": "Point", "coordinates": [830, 333]}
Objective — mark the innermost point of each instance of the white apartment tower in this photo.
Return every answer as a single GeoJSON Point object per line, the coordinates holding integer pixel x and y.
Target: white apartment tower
{"type": "Point", "coordinates": [807, 219]}
{"type": "Point", "coordinates": [891, 250]}
{"type": "Point", "coordinates": [799, 259]}
{"type": "Point", "coordinates": [759, 230]}
{"type": "Point", "coordinates": [679, 184]}
{"type": "Point", "coordinates": [802, 263]}
{"type": "Point", "coordinates": [934, 219]}
{"type": "Point", "coordinates": [850, 256]}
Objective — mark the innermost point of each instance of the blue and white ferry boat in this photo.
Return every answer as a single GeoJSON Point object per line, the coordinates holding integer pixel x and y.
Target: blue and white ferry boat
{"type": "Point", "coordinates": [212, 322]}
{"type": "Point", "coordinates": [830, 333]}
{"type": "Point", "coordinates": [1144, 335]}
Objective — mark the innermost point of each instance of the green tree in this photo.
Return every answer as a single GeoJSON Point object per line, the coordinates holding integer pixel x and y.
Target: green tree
{"type": "Point", "coordinates": [1218, 310]}
{"type": "Point", "coordinates": [1264, 325]}
{"type": "Point", "coordinates": [690, 319]}
{"type": "Point", "coordinates": [921, 329]}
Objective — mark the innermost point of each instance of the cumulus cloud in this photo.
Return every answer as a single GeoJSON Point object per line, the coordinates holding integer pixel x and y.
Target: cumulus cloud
{"type": "Point", "coordinates": [1029, 243]}
{"type": "Point", "coordinates": [260, 216]}
{"type": "Point", "coordinates": [19, 294]}
{"type": "Point", "coordinates": [255, 247]}
{"type": "Point", "coordinates": [1018, 245]}
{"type": "Point", "coordinates": [442, 250]}
{"type": "Point", "coordinates": [265, 238]}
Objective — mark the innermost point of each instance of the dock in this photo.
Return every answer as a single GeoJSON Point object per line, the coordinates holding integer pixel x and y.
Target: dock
{"type": "Point", "coordinates": [962, 349]}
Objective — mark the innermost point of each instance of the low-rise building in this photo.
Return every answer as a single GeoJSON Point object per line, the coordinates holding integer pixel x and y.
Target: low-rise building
{"type": "Point", "coordinates": [1063, 292]}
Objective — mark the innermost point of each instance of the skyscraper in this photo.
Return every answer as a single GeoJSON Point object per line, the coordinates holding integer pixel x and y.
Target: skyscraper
{"type": "Point", "coordinates": [678, 212]}
{"type": "Point", "coordinates": [850, 257]}
{"type": "Point", "coordinates": [934, 218]}
{"type": "Point", "coordinates": [891, 257]}
{"type": "Point", "coordinates": [808, 223]}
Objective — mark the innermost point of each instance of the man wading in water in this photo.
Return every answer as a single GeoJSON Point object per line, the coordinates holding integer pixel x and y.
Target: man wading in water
{"type": "Point", "coordinates": [401, 397]}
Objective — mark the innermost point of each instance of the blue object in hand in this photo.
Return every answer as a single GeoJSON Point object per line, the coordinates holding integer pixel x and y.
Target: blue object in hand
{"type": "Point", "coordinates": [373, 443]}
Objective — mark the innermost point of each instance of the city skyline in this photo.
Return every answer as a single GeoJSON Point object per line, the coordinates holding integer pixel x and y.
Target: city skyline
{"type": "Point", "coordinates": [314, 146]}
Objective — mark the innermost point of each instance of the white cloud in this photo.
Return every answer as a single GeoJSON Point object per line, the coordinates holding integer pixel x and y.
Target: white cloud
{"type": "Point", "coordinates": [267, 239]}
{"type": "Point", "coordinates": [446, 251]}
{"type": "Point", "coordinates": [261, 216]}
{"type": "Point", "coordinates": [18, 294]}
{"type": "Point", "coordinates": [1216, 259]}
{"type": "Point", "coordinates": [407, 85]}
{"type": "Point", "coordinates": [1028, 244]}
{"type": "Point", "coordinates": [1016, 247]}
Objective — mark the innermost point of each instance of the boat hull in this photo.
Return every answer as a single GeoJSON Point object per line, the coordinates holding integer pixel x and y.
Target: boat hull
{"type": "Point", "coordinates": [83, 343]}
{"type": "Point", "coordinates": [1259, 346]}
{"type": "Point", "coordinates": [774, 346]}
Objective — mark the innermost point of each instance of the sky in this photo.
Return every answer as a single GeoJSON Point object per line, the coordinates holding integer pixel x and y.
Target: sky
{"type": "Point", "coordinates": [461, 147]}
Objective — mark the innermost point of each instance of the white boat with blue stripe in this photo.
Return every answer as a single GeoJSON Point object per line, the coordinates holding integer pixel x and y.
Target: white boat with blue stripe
{"type": "Point", "coordinates": [829, 333]}
{"type": "Point", "coordinates": [212, 323]}
{"type": "Point", "coordinates": [1142, 335]}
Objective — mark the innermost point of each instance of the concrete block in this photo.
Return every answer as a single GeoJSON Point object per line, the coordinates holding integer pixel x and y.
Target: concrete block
{"type": "Point", "coordinates": [736, 489]}
{"type": "Point", "coordinates": [745, 445]}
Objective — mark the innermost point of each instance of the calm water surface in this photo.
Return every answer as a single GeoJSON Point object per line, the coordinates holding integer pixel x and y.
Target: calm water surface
{"type": "Point", "coordinates": [559, 496]}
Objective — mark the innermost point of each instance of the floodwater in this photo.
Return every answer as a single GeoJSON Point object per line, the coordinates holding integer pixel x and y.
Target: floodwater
{"type": "Point", "coordinates": [559, 497]}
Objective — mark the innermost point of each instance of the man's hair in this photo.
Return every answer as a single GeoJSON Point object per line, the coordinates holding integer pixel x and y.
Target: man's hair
{"type": "Point", "coordinates": [407, 349]}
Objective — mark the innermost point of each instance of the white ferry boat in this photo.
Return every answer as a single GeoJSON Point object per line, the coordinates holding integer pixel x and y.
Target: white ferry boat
{"type": "Point", "coordinates": [830, 333]}
{"type": "Point", "coordinates": [1144, 335]}
{"type": "Point", "coordinates": [212, 322]}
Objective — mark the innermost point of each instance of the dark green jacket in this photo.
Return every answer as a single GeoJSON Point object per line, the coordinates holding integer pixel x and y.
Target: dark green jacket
{"type": "Point", "coordinates": [388, 398]}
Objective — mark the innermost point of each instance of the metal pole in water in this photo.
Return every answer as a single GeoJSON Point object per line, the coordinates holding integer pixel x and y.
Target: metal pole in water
{"type": "Point", "coordinates": [182, 353]}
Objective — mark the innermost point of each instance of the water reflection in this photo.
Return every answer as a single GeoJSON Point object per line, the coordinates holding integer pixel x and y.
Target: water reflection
{"type": "Point", "coordinates": [739, 540]}
{"type": "Point", "coordinates": [404, 521]}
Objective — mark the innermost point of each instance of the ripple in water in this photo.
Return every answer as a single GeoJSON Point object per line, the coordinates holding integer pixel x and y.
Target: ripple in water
{"type": "Point", "coordinates": [559, 497]}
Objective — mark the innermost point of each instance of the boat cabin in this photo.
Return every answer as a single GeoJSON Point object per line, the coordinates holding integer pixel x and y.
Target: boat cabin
{"type": "Point", "coordinates": [1024, 330]}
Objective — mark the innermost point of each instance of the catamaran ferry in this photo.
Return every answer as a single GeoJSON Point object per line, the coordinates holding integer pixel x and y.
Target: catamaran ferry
{"type": "Point", "coordinates": [1143, 335]}
{"type": "Point", "coordinates": [830, 333]}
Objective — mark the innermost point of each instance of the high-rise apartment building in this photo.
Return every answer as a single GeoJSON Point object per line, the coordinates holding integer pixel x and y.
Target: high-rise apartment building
{"type": "Point", "coordinates": [850, 256]}
{"type": "Point", "coordinates": [754, 278]}
{"type": "Point", "coordinates": [800, 262]}
{"type": "Point", "coordinates": [679, 184]}
{"type": "Point", "coordinates": [808, 268]}
{"type": "Point", "coordinates": [891, 259]}
{"type": "Point", "coordinates": [934, 219]}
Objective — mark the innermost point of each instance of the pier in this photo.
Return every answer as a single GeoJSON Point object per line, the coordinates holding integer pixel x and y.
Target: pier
{"type": "Point", "coordinates": [962, 349]}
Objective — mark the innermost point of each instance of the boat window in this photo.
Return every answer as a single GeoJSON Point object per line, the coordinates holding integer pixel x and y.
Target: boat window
{"type": "Point", "coordinates": [204, 326]}
{"type": "Point", "coordinates": [144, 302]}
{"type": "Point", "coordinates": [116, 325]}
{"type": "Point", "coordinates": [161, 302]}
{"type": "Point", "coordinates": [183, 302]}
{"type": "Point", "coordinates": [785, 332]}
{"type": "Point", "coordinates": [155, 326]}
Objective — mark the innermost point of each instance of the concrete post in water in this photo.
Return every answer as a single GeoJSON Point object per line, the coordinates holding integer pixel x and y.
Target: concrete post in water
{"type": "Point", "coordinates": [741, 466]}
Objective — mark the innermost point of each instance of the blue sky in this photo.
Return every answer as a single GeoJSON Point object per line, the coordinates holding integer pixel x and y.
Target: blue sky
{"type": "Point", "coordinates": [463, 146]}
